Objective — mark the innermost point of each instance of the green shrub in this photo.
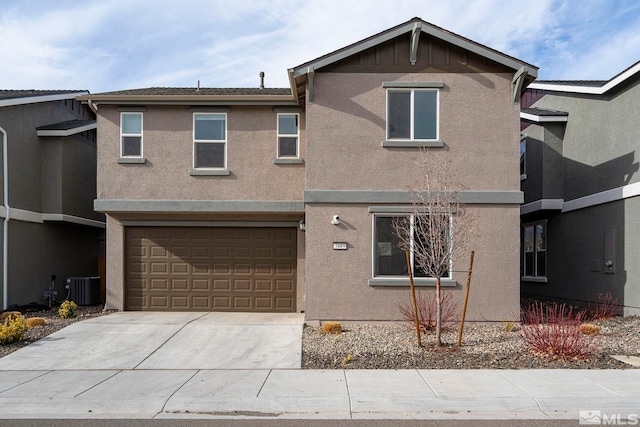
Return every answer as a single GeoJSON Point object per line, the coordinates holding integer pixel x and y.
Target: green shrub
{"type": "Point", "coordinates": [13, 329]}
{"type": "Point", "coordinates": [67, 310]}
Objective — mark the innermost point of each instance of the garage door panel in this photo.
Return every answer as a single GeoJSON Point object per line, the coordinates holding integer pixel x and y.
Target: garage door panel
{"type": "Point", "coordinates": [178, 284]}
{"type": "Point", "coordinates": [199, 268]}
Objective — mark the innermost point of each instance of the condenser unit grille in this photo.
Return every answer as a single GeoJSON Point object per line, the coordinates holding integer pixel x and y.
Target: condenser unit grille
{"type": "Point", "coordinates": [84, 290]}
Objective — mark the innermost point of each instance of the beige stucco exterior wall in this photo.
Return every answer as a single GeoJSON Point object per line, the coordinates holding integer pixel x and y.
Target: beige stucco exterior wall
{"type": "Point", "coordinates": [479, 125]}
{"type": "Point", "coordinates": [168, 150]}
{"type": "Point", "coordinates": [347, 124]}
{"type": "Point", "coordinates": [115, 265]}
{"type": "Point", "coordinates": [337, 280]}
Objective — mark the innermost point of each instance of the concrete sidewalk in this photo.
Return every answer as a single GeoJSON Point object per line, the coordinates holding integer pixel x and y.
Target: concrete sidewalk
{"type": "Point", "coordinates": [315, 394]}
{"type": "Point", "coordinates": [236, 366]}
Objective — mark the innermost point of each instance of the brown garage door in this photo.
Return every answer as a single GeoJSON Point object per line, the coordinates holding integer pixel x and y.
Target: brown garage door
{"type": "Point", "coordinates": [210, 269]}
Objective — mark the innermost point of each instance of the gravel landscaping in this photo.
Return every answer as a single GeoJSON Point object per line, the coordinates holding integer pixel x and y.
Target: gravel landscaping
{"type": "Point", "coordinates": [393, 346]}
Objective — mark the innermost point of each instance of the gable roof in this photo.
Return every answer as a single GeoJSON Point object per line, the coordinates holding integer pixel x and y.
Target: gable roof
{"type": "Point", "coordinates": [415, 25]}
{"type": "Point", "coordinates": [592, 87]}
{"type": "Point", "coordinates": [32, 96]}
{"type": "Point", "coordinates": [524, 73]}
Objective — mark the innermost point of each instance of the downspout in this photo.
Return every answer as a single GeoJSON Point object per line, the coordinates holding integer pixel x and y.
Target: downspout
{"type": "Point", "coordinates": [7, 215]}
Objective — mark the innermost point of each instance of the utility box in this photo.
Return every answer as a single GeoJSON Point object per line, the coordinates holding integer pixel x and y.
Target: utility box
{"type": "Point", "coordinates": [84, 290]}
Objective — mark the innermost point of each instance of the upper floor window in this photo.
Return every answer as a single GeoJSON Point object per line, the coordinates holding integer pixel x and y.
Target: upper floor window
{"type": "Point", "coordinates": [130, 134]}
{"type": "Point", "coordinates": [535, 250]}
{"type": "Point", "coordinates": [412, 114]}
{"type": "Point", "coordinates": [288, 135]}
{"type": "Point", "coordinates": [210, 140]}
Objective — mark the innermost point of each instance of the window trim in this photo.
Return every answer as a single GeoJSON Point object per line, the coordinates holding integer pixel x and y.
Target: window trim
{"type": "Point", "coordinates": [206, 141]}
{"type": "Point", "coordinates": [411, 140]}
{"type": "Point", "coordinates": [130, 158]}
{"type": "Point", "coordinates": [389, 280]}
{"type": "Point", "coordinates": [279, 157]}
{"type": "Point", "coordinates": [535, 277]}
{"type": "Point", "coordinates": [523, 157]}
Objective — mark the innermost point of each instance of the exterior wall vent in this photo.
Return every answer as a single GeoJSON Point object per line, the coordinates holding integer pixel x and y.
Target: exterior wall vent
{"type": "Point", "coordinates": [84, 290]}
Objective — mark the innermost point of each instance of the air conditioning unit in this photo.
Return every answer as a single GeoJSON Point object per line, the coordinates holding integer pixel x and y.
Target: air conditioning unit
{"type": "Point", "coordinates": [84, 290]}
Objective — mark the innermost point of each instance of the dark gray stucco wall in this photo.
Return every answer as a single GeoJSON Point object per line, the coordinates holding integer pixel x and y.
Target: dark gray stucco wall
{"type": "Point", "coordinates": [597, 151]}
{"type": "Point", "coordinates": [39, 250]}
{"type": "Point", "coordinates": [576, 252]}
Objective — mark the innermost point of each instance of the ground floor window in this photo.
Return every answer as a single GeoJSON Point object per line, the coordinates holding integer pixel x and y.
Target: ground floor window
{"type": "Point", "coordinates": [535, 250]}
{"type": "Point", "coordinates": [388, 258]}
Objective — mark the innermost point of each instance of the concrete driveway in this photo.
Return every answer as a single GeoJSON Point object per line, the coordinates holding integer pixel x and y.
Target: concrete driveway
{"type": "Point", "coordinates": [181, 340]}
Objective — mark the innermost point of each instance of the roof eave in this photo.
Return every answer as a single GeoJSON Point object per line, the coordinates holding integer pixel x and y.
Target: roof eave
{"type": "Point", "coordinates": [189, 99]}
{"type": "Point", "coordinates": [40, 98]}
{"type": "Point", "coordinates": [426, 28]}
{"type": "Point", "coordinates": [590, 90]}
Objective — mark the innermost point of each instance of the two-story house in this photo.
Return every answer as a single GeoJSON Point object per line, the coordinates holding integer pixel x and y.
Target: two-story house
{"type": "Point", "coordinates": [580, 179]}
{"type": "Point", "coordinates": [48, 175]}
{"type": "Point", "coordinates": [282, 199]}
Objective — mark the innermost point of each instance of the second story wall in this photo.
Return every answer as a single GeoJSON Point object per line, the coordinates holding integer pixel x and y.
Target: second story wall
{"type": "Point", "coordinates": [478, 125]}
{"type": "Point", "coordinates": [598, 146]}
{"type": "Point", "coordinates": [168, 172]}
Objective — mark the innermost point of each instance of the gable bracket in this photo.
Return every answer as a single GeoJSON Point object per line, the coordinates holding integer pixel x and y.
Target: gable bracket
{"type": "Point", "coordinates": [415, 37]}
{"type": "Point", "coordinates": [310, 74]}
{"type": "Point", "coordinates": [518, 82]}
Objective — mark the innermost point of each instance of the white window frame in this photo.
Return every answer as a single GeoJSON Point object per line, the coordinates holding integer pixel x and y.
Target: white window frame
{"type": "Point", "coordinates": [286, 135]}
{"type": "Point", "coordinates": [123, 135]}
{"type": "Point", "coordinates": [374, 243]}
{"type": "Point", "coordinates": [210, 141]}
{"type": "Point", "coordinates": [412, 91]}
{"type": "Point", "coordinates": [536, 276]}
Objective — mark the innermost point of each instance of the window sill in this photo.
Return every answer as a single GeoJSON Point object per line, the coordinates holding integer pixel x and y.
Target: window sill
{"type": "Point", "coordinates": [287, 161]}
{"type": "Point", "coordinates": [534, 279]}
{"type": "Point", "coordinates": [403, 282]}
{"type": "Point", "coordinates": [209, 172]}
{"type": "Point", "coordinates": [132, 160]}
{"type": "Point", "coordinates": [392, 143]}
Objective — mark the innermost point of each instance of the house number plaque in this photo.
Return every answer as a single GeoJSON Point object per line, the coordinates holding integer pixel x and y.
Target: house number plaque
{"type": "Point", "coordinates": [339, 246]}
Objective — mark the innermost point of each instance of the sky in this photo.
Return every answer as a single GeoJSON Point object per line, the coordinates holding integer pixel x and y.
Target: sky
{"type": "Point", "coordinates": [106, 45]}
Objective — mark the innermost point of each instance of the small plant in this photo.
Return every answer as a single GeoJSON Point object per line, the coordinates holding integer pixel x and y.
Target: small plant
{"type": "Point", "coordinates": [554, 330]}
{"type": "Point", "coordinates": [9, 315]}
{"type": "Point", "coordinates": [590, 329]}
{"type": "Point", "coordinates": [67, 310]}
{"type": "Point", "coordinates": [427, 311]}
{"type": "Point", "coordinates": [347, 359]}
{"type": "Point", "coordinates": [36, 321]}
{"type": "Point", "coordinates": [13, 329]}
{"type": "Point", "coordinates": [509, 325]}
{"type": "Point", "coordinates": [332, 328]}
{"type": "Point", "coordinates": [604, 307]}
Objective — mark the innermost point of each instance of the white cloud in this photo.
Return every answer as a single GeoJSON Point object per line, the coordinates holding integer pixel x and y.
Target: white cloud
{"type": "Point", "coordinates": [119, 44]}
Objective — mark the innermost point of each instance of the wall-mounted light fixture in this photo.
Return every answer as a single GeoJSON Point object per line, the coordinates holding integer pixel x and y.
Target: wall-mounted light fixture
{"type": "Point", "coordinates": [302, 225]}
{"type": "Point", "coordinates": [335, 220]}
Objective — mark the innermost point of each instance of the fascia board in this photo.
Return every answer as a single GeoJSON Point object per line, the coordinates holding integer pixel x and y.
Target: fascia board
{"type": "Point", "coordinates": [66, 132]}
{"type": "Point", "coordinates": [447, 37]}
{"type": "Point", "coordinates": [191, 100]}
{"type": "Point", "coordinates": [590, 90]}
{"type": "Point", "coordinates": [543, 119]}
{"type": "Point", "coordinates": [36, 99]}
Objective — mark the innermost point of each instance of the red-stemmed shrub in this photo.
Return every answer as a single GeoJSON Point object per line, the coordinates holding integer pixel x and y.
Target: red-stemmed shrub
{"type": "Point", "coordinates": [604, 307]}
{"type": "Point", "coordinates": [553, 329]}
{"type": "Point", "coordinates": [427, 310]}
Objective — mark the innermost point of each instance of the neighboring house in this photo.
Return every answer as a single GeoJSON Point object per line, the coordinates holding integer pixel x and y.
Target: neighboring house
{"type": "Point", "coordinates": [48, 174]}
{"type": "Point", "coordinates": [282, 199]}
{"type": "Point", "coordinates": [581, 215]}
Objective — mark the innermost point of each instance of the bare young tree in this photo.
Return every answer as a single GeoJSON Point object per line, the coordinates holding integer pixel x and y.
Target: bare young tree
{"type": "Point", "coordinates": [438, 227]}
